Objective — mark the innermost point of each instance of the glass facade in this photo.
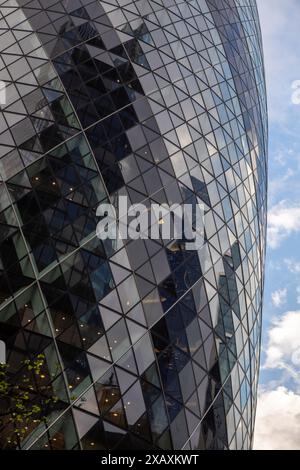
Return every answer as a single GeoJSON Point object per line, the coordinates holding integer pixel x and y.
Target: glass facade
{"type": "Point", "coordinates": [162, 101]}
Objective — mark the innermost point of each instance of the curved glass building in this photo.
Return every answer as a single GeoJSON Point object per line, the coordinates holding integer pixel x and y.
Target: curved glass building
{"type": "Point", "coordinates": [145, 346]}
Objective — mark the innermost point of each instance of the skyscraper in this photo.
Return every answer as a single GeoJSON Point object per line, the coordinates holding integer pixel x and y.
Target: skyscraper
{"type": "Point", "coordinates": [145, 346]}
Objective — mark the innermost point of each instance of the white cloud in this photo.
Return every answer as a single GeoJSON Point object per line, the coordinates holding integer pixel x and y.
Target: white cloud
{"type": "Point", "coordinates": [279, 184]}
{"type": "Point", "coordinates": [292, 265]}
{"type": "Point", "coordinates": [279, 297]}
{"type": "Point", "coordinates": [283, 220]}
{"type": "Point", "coordinates": [280, 29]}
{"type": "Point", "coordinates": [283, 344]}
{"type": "Point", "coordinates": [277, 420]}
{"type": "Point", "coordinates": [283, 156]}
{"type": "Point", "coordinates": [278, 413]}
{"type": "Point", "coordinates": [298, 295]}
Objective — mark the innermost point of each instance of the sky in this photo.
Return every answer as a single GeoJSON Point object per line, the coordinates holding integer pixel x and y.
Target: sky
{"type": "Point", "coordinates": [278, 412]}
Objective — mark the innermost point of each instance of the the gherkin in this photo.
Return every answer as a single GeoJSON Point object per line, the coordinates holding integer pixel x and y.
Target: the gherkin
{"type": "Point", "coordinates": [162, 101]}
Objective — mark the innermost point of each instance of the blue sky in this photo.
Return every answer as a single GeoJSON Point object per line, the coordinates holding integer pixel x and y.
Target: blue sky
{"type": "Point", "coordinates": [278, 414]}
